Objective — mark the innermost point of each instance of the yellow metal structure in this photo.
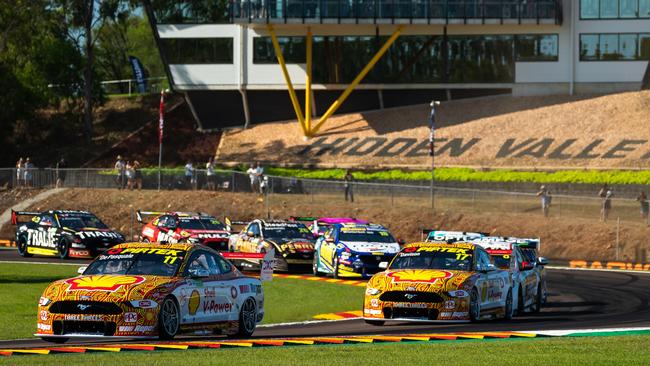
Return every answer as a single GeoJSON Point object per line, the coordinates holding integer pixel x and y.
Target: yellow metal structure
{"type": "Point", "coordinates": [305, 121]}
{"type": "Point", "coordinates": [287, 79]}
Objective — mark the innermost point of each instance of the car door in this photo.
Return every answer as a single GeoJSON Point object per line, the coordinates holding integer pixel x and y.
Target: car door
{"type": "Point", "coordinates": [328, 247]}
{"type": "Point", "coordinates": [43, 234]}
{"type": "Point", "coordinates": [495, 282]}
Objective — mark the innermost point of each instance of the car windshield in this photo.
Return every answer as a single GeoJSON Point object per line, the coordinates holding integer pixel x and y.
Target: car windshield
{"type": "Point", "coordinates": [370, 236]}
{"type": "Point", "coordinates": [78, 222]}
{"type": "Point", "coordinates": [287, 231]}
{"type": "Point", "coordinates": [201, 223]}
{"type": "Point", "coordinates": [447, 258]}
{"type": "Point", "coordinates": [137, 261]}
{"type": "Point", "coordinates": [502, 261]}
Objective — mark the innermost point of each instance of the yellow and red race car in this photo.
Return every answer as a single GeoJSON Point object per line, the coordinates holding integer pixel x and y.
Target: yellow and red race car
{"type": "Point", "coordinates": [438, 282]}
{"type": "Point", "coordinates": [149, 289]}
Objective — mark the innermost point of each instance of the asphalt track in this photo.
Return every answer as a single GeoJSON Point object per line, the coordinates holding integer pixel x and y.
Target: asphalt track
{"type": "Point", "coordinates": [579, 299]}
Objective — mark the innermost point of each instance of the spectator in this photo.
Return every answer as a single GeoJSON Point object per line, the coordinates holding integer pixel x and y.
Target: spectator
{"type": "Point", "coordinates": [61, 167]}
{"type": "Point", "coordinates": [264, 184]}
{"type": "Point", "coordinates": [211, 177]}
{"type": "Point", "coordinates": [545, 195]}
{"type": "Point", "coordinates": [130, 175]}
{"type": "Point", "coordinates": [29, 172]}
{"type": "Point", "coordinates": [189, 174]}
{"type": "Point", "coordinates": [252, 174]}
{"type": "Point", "coordinates": [137, 180]}
{"type": "Point", "coordinates": [347, 183]}
{"type": "Point", "coordinates": [19, 172]}
{"type": "Point", "coordinates": [606, 194]}
{"type": "Point", "coordinates": [645, 205]}
{"type": "Point", "coordinates": [259, 174]}
{"type": "Point", "coordinates": [120, 167]}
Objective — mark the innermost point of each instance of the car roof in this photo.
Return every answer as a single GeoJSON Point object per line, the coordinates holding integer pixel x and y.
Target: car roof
{"type": "Point", "coordinates": [458, 244]}
{"type": "Point", "coordinates": [341, 220]}
{"type": "Point", "coordinates": [69, 212]}
{"type": "Point", "coordinates": [177, 246]}
{"type": "Point", "coordinates": [495, 245]}
{"type": "Point", "coordinates": [353, 225]}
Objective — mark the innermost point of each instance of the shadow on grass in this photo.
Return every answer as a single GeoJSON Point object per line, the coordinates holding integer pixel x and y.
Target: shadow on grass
{"type": "Point", "coordinates": [44, 280]}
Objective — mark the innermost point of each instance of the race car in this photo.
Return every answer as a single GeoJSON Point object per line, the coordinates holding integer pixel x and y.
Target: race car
{"type": "Point", "coordinates": [146, 290]}
{"type": "Point", "coordinates": [450, 236]}
{"type": "Point", "coordinates": [438, 282]}
{"type": "Point", "coordinates": [353, 250]}
{"type": "Point", "coordinates": [66, 234]}
{"type": "Point", "coordinates": [528, 289]}
{"type": "Point", "coordinates": [319, 225]}
{"type": "Point", "coordinates": [292, 241]}
{"type": "Point", "coordinates": [189, 227]}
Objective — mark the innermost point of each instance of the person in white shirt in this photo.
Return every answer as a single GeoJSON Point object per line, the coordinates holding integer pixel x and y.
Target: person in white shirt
{"type": "Point", "coordinates": [189, 174]}
{"type": "Point", "coordinates": [209, 167]}
{"type": "Point", "coordinates": [252, 174]}
{"type": "Point", "coordinates": [259, 174]}
{"type": "Point", "coordinates": [120, 166]}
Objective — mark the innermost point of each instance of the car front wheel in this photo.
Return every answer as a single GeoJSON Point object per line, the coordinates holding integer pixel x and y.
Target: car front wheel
{"type": "Point", "coordinates": [508, 308]}
{"type": "Point", "coordinates": [474, 306]}
{"type": "Point", "coordinates": [64, 248]}
{"type": "Point", "coordinates": [22, 247]}
{"type": "Point", "coordinates": [247, 319]}
{"type": "Point", "coordinates": [168, 319]}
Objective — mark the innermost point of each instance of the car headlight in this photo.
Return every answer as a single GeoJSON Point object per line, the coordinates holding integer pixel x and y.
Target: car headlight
{"type": "Point", "coordinates": [144, 304]}
{"type": "Point", "coordinates": [458, 293]}
{"type": "Point", "coordinates": [44, 301]}
{"type": "Point", "coordinates": [372, 291]}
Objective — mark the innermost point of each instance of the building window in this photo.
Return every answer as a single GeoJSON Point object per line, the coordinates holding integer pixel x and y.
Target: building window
{"type": "Point", "coordinates": [536, 47]}
{"type": "Point", "coordinates": [628, 8]}
{"type": "Point", "coordinates": [612, 47]}
{"type": "Point", "coordinates": [614, 9]}
{"type": "Point", "coordinates": [191, 12]}
{"type": "Point", "coordinates": [293, 50]}
{"type": "Point", "coordinates": [198, 50]}
{"type": "Point", "coordinates": [589, 9]}
{"type": "Point", "coordinates": [644, 8]}
{"type": "Point", "coordinates": [608, 9]}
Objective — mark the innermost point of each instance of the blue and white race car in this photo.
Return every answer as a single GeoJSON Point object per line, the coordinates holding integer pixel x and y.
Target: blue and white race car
{"type": "Point", "coordinates": [353, 250]}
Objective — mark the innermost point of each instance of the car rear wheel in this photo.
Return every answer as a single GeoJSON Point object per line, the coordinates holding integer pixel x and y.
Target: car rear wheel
{"type": "Point", "coordinates": [64, 248]}
{"type": "Point", "coordinates": [508, 308]}
{"type": "Point", "coordinates": [55, 339]}
{"type": "Point", "coordinates": [474, 306]}
{"type": "Point", "coordinates": [22, 247]}
{"type": "Point", "coordinates": [168, 319]}
{"type": "Point", "coordinates": [314, 267]}
{"type": "Point", "coordinates": [145, 240]}
{"type": "Point", "coordinates": [335, 266]}
{"type": "Point", "coordinates": [377, 323]}
{"type": "Point", "coordinates": [247, 318]}
{"type": "Point", "coordinates": [537, 306]}
{"type": "Point", "coordinates": [520, 301]}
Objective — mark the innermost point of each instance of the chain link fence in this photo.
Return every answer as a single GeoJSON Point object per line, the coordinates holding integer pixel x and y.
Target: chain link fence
{"type": "Point", "coordinates": [279, 190]}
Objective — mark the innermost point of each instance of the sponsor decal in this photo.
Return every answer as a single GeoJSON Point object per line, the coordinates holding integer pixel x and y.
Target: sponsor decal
{"type": "Point", "coordinates": [216, 307]}
{"type": "Point", "coordinates": [147, 232]}
{"type": "Point", "coordinates": [233, 292]}
{"type": "Point", "coordinates": [130, 317]}
{"type": "Point", "coordinates": [372, 311]}
{"type": "Point", "coordinates": [80, 317]}
{"type": "Point", "coordinates": [125, 328]}
{"type": "Point", "coordinates": [144, 328]}
{"type": "Point", "coordinates": [98, 234]}
{"type": "Point", "coordinates": [446, 314]}
{"type": "Point", "coordinates": [79, 253]}
{"type": "Point", "coordinates": [210, 292]}
{"type": "Point", "coordinates": [410, 305]}
{"type": "Point", "coordinates": [460, 314]}
{"type": "Point", "coordinates": [374, 303]}
{"type": "Point", "coordinates": [102, 282]}
{"type": "Point", "coordinates": [193, 303]}
{"type": "Point", "coordinates": [450, 304]}
{"type": "Point", "coordinates": [211, 235]}
{"type": "Point", "coordinates": [41, 326]}
{"type": "Point", "coordinates": [419, 275]}
{"type": "Point", "coordinates": [43, 315]}
{"type": "Point", "coordinates": [42, 238]}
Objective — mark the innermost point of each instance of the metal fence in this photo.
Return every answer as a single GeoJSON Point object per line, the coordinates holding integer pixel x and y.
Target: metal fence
{"type": "Point", "coordinates": [279, 190]}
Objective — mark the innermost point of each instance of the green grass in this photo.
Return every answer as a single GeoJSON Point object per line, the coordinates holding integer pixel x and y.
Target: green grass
{"type": "Point", "coordinates": [286, 300]}
{"type": "Point", "coordinates": [451, 175]}
{"type": "Point", "coordinates": [619, 350]}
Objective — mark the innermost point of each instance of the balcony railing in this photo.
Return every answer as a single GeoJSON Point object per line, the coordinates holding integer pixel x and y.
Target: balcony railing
{"type": "Point", "coordinates": [382, 11]}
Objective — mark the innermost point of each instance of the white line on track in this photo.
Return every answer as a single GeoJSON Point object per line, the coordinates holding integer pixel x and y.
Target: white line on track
{"type": "Point", "coordinates": [599, 270]}
{"type": "Point", "coordinates": [586, 331]}
{"type": "Point", "coordinates": [305, 322]}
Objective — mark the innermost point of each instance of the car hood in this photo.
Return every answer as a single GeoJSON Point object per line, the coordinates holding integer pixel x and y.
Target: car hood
{"type": "Point", "coordinates": [420, 280]}
{"type": "Point", "coordinates": [108, 288]}
{"type": "Point", "coordinates": [293, 245]}
{"type": "Point", "coordinates": [370, 247]}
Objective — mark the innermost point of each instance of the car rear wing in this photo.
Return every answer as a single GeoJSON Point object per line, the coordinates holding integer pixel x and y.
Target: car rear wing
{"type": "Point", "coordinates": [230, 223]}
{"type": "Point", "coordinates": [524, 243]}
{"type": "Point", "coordinates": [303, 218]}
{"type": "Point", "coordinates": [450, 236]}
{"type": "Point", "coordinates": [247, 262]}
{"type": "Point", "coordinates": [141, 216]}
{"type": "Point", "coordinates": [15, 214]}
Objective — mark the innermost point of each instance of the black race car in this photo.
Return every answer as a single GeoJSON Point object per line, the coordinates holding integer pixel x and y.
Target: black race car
{"type": "Point", "coordinates": [67, 234]}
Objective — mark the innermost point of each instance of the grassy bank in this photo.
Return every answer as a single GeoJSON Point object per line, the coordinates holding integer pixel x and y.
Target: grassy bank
{"type": "Point", "coordinates": [286, 300]}
{"type": "Point", "coordinates": [617, 350]}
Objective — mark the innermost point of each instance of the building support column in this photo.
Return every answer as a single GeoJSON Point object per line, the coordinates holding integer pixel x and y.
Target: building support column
{"type": "Point", "coordinates": [308, 83]}
{"type": "Point", "coordinates": [337, 103]}
{"type": "Point", "coordinates": [287, 79]}
{"type": "Point", "coordinates": [247, 111]}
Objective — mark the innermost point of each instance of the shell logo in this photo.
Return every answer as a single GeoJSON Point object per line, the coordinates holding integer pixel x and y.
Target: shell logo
{"type": "Point", "coordinates": [193, 303]}
{"type": "Point", "coordinates": [420, 275]}
{"type": "Point", "coordinates": [102, 282]}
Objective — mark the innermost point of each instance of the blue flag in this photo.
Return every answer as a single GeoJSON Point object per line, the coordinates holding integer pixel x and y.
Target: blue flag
{"type": "Point", "coordinates": [138, 74]}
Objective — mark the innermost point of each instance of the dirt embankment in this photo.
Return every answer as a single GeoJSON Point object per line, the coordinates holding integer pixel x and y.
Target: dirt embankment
{"type": "Point", "coordinates": [561, 238]}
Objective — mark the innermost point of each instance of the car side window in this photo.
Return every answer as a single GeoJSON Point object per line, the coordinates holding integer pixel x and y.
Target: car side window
{"type": "Point", "coordinates": [482, 259]}
{"type": "Point", "coordinates": [47, 220]}
{"type": "Point", "coordinates": [224, 265]}
{"type": "Point", "coordinates": [162, 221]}
{"type": "Point", "coordinates": [202, 263]}
{"type": "Point", "coordinates": [255, 229]}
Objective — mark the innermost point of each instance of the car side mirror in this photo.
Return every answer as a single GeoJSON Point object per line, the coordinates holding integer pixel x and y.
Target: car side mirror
{"type": "Point", "coordinates": [527, 266]}
{"type": "Point", "coordinates": [383, 265]}
{"type": "Point", "coordinates": [542, 261]}
{"type": "Point", "coordinates": [198, 272]}
{"type": "Point", "coordinates": [485, 268]}
{"type": "Point", "coordinates": [250, 233]}
{"type": "Point", "coordinates": [81, 269]}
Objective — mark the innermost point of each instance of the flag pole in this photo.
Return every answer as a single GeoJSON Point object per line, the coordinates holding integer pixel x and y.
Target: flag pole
{"type": "Point", "coordinates": [161, 126]}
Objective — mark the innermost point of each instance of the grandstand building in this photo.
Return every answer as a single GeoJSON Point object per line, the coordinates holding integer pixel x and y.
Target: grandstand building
{"type": "Point", "coordinates": [354, 55]}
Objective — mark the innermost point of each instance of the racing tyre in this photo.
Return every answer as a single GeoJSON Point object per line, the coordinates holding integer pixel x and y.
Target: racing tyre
{"type": "Point", "coordinates": [520, 302]}
{"type": "Point", "coordinates": [247, 318]}
{"type": "Point", "coordinates": [64, 248]}
{"type": "Point", "coordinates": [537, 306]}
{"type": "Point", "coordinates": [314, 268]}
{"type": "Point", "coordinates": [508, 307]}
{"type": "Point", "coordinates": [145, 240]}
{"type": "Point", "coordinates": [55, 339]}
{"type": "Point", "coordinates": [22, 247]}
{"type": "Point", "coordinates": [474, 306]}
{"type": "Point", "coordinates": [335, 266]}
{"type": "Point", "coordinates": [377, 323]}
{"type": "Point", "coordinates": [168, 319]}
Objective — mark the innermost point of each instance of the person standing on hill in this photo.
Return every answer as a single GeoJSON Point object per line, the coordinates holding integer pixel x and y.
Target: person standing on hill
{"type": "Point", "coordinates": [189, 174]}
{"type": "Point", "coordinates": [137, 180]}
{"type": "Point", "coordinates": [210, 176]}
{"type": "Point", "coordinates": [645, 205]}
{"type": "Point", "coordinates": [19, 172]}
{"type": "Point", "coordinates": [259, 175]}
{"type": "Point", "coordinates": [252, 174]}
{"type": "Point", "coordinates": [61, 167]}
{"type": "Point", "coordinates": [29, 173]}
{"type": "Point", "coordinates": [120, 166]}
{"type": "Point", "coordinates": [347, 183]}
{"type": "Point", "coordinates": [545, 195]}
{"type": "Point", "coordinates": [606, 194]}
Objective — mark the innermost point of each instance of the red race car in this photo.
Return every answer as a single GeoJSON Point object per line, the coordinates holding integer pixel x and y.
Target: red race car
{"type": "Point", "coordinates": [190, 227]}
